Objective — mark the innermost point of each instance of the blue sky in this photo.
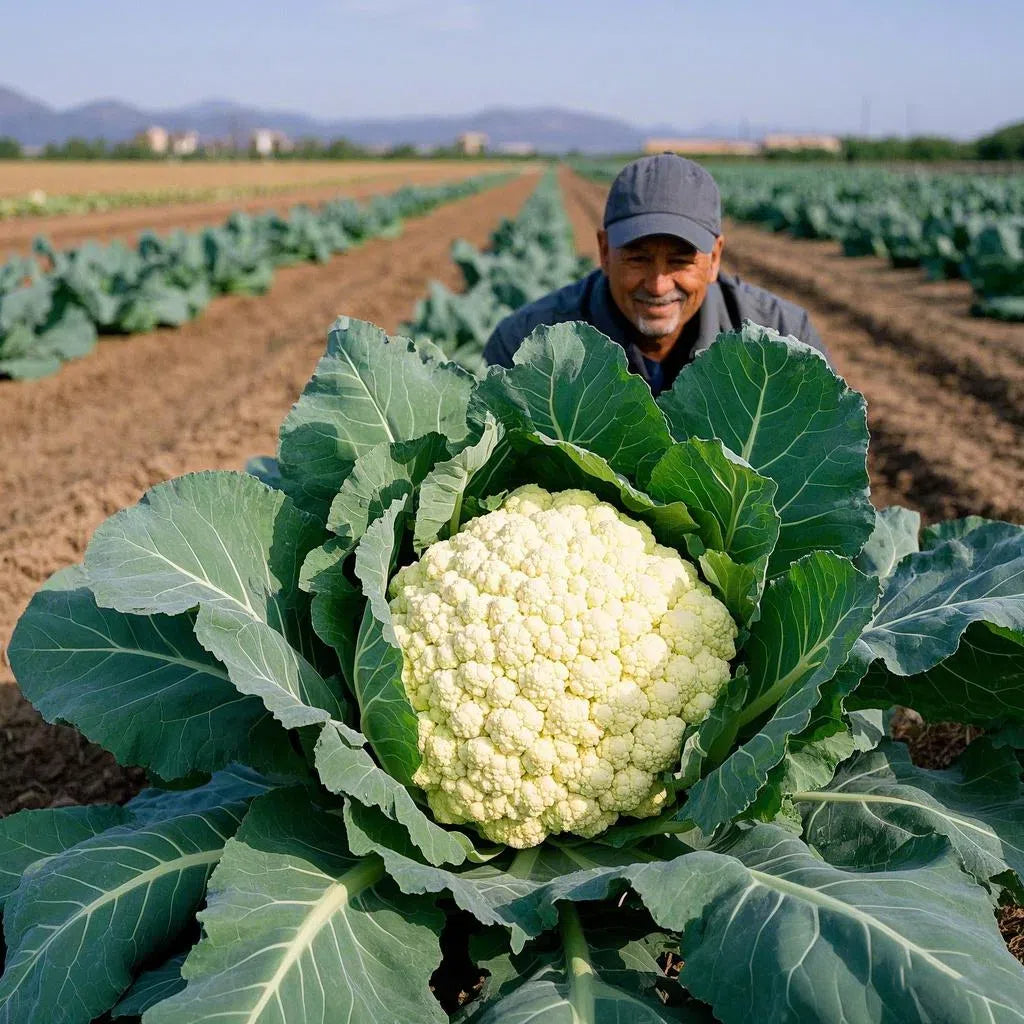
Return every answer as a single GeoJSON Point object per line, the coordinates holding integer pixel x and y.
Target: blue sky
{"type": "Point", "coordinates": [940, 66]}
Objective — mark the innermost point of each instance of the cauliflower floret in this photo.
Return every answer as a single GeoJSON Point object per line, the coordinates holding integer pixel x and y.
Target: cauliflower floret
{"type": "Point", "coordinates": [554, 654]}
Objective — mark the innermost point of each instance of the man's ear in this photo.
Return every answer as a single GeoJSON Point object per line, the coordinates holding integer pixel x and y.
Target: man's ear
{"type": "Point", "coordinates": [602, 248]}
{"type": "Point", "coordinates": [716, 258]}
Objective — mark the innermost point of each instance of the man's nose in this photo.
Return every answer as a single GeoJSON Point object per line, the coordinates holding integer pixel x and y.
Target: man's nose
{"type": "Point", "coordinates": [659, 282]}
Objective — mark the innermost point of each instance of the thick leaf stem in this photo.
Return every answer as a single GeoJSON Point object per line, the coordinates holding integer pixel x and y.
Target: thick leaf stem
{"type": "Point", "coordinates": [759, 705]}
{"type": "Point", "coordinates": [676, 827]}
{"type": "Point", "coordinates": [722, 746]}
{"type": "Point", "coordinates": [523, 862]}
{"type": "Point", "coordinates": [578, 966]}
{"type": "Point", "coordinates": [453, 523]}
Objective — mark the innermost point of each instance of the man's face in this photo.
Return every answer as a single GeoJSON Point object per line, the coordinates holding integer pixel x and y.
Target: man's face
{"type": "Point", "coordinates": [659, 283]}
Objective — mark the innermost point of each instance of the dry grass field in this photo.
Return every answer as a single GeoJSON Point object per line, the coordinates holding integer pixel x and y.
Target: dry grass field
{"type": "Point", "coordinates": [69, 177]}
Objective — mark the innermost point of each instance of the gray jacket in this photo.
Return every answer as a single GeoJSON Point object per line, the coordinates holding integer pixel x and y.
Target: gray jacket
{"type": "Point", "coordinates": [728, 302]}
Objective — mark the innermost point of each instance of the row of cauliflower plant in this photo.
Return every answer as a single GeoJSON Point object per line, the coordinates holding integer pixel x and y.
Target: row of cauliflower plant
{"type": "Point", "coordinates": [533, 662]}
{"type": "Point", "coordinates": [952, 225]}
{"type": "Point", "coordinates": [53, 304]}
{"type": "Point", "coordinates": [528, 257]}
{"type": "Point", "coordinates": [39, 203]}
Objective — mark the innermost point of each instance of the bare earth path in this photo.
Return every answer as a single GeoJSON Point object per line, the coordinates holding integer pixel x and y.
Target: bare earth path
{"type": "Point", "coordinates": [945, 391]}
{"type": "Point", "coordinates": [86, 442]}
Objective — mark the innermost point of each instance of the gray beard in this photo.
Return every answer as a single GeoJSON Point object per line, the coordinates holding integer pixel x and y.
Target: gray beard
{"type": "Point", "coordinates": [656, 329]}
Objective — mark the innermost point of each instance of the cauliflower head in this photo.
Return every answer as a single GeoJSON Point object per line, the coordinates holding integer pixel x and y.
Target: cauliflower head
{"type": "Point", "coordinates": [554, 654]}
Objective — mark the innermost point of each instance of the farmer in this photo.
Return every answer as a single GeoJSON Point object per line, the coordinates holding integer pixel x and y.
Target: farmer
{"type": "Point", "coordinates": [658, 291]}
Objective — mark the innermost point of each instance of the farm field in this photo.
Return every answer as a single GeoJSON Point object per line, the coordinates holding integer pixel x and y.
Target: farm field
{"type": "Point", "coordinates": [363, 180]}
{"type": "Point", "coordinates": [945, 390]}
{"type": "Point", "coordinates": [73, 177]}
{"type": "Point", "coordinates": [945, 395]}
{"type": "Point", "coordinates": [89, 440]}
{"type": "Point", "coordinates": [946, 421]}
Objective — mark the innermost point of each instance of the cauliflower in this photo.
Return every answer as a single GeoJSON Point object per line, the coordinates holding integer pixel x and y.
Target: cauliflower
{"type": "Point", "coordinates": [554, 654]}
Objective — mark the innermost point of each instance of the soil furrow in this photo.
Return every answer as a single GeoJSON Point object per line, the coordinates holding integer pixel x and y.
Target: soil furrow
{"type": "Point", "coordinates": [207, 396]}
{"type": "Point", "coordinates": [936, 444]}
{"type": "Point", "coordinates": [924, 320]}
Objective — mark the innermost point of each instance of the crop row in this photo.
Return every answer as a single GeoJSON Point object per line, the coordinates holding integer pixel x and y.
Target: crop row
{"type": "Point", "coordinates": [39, 203]}
{"type": "Point", "coordinates": [528, 257]}
{"type": "Point", "coordinates": [951, 225]}
{"type": "Point", "coordinates": [55, 303]}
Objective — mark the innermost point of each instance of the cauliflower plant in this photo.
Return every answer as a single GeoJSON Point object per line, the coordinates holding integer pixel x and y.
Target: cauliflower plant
{"type": "Point", "coordinates": [554, 653]}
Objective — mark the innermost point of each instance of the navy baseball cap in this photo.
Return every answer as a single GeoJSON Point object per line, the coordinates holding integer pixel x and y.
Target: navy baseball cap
{"type": "Point", "coordinates": [664, 194]}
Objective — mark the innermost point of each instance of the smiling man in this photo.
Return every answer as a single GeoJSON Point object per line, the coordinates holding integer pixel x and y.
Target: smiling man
{"type": "Point", "coordinates": [658, 292]}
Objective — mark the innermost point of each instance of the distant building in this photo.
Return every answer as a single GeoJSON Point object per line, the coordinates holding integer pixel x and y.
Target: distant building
{"type": "Point", "coordinates": [780, 141]}
{"type": "Point", "coordinates": [267, 142]}
{"type": "Point", "coordinates": [184, 143]}
{"type": "Point", "coordinates": [471, 143]}
{"type": "Point", "coordinates": [517, 148]}
{"type": "Point", "coordinates": [155, 139]}
{"type": "Point", "coordinates": [703, 147]}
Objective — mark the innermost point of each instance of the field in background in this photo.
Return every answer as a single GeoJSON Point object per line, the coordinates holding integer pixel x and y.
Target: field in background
{"type": "Point", "coordinates": [127, 222]}
{"type": "Point", "coordinates": [70, 177]}
{"type": "Point", "coordinates": [945, 393]}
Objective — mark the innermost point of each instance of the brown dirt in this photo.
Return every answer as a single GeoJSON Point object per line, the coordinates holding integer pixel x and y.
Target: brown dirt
{"type": "Point", "coordinates": [1011, 924]}
{"type": "Point", "coordinates": [945, 391]}
{"type": "Point", "coordinates": [88, 441]}
{"type": "Point", "coordinates": [16, 235]}
{"type": "Point", "coordinates": [78, 177]}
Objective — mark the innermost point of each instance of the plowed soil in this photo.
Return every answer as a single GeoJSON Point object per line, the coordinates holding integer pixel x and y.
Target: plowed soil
{"type": "Point", "coordinates": [65, 230]}
{"type": "Point", "coordinates": [81, 444]}
{"type": "Point", "coordinates": [945, 391]}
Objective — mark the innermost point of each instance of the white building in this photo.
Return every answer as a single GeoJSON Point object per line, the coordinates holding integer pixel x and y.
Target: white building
{"type": "Point", "coordinates": [184, 143]}
{"type": "Point", "coordinates": [267, 142]}
{"type": "Point", "coordinates": [155, 139]}
{"type": "Point", "coordinates": [703, 147]}
{"type": "Point", "coordinates": [810, 140]}
{"type": "Point", "coordinates": [472, 143]}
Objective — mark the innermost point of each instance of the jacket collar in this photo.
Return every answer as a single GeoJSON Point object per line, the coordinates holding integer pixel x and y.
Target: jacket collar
{"type": "Point", "coordinates": [712, 318]}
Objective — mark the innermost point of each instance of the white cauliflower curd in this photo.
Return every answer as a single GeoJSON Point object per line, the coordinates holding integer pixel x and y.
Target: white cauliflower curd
{"type": "Point", "coordinates": [554, 653]}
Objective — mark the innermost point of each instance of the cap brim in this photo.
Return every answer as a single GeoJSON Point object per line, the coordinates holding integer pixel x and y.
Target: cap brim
{"type": "Point", "coordinates": [629, 229]}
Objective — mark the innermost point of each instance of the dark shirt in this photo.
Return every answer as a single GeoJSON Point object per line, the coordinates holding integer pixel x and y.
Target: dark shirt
{"type": "Point", "coordinates": [729, 301]}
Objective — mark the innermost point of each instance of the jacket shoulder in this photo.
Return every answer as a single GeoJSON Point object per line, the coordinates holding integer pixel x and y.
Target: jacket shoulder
{"type": "Point", "coordinates": [771, 310]}
{"type": "Point", "coordinates": [762, 306]}
{"type": "Point", "coordinates": [554, 308]}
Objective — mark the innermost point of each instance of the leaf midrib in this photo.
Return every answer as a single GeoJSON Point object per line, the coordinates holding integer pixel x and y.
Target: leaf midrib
{"type": "Point", "coordinates": [817, 898]}
{"type": "Point", "coordinates": [177, 866]}
{"type": "Point", "coordinates": [879, 798]}
{"type": "Point", "coordinates": [337, 895]}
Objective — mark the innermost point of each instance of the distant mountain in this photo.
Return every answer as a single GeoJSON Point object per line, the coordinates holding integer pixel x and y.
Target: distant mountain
{"type": "Point", "coordinates": [549, 129]}
{"type": "Point", "coordinates": [15, 104]}
{"type": "Point", "coordinates": [19, 114]}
